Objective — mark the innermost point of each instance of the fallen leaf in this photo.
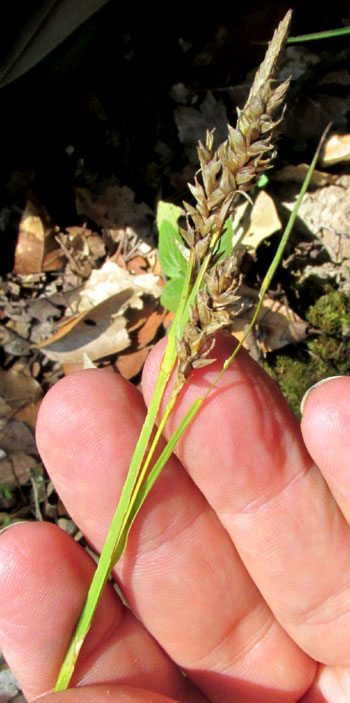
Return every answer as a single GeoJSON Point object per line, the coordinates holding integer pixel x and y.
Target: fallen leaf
{"type": "Point", "coordinates": [18, 388]}
{"type": "Point", "coordinates": [137, 318]}
{"type": "Point", "coordinates": [15, 470]}
{"type": "Point", "coordinates": [99, 332]}
{"type": "Point", "coordinates": [73, 367]}
{"type": "Point", "coordinates": [115, 207]}
{"type": "Point", "coordinates": [264, 221]}
{"type": "Point", "coordinates": [15, 436]}
{"type": "Point", "coordinates": [335, 150]}
{"type": "Point", "coordinates": [137, 265]}
{"type": "Point", "coordinates": [192, 124]}
{"type": "Point", "coordinates": [298, 173]}
{"type": "Point", "coordinates": [277, 325]}
{"type": "Point", "coordinates": [148, 331]}
{"type": "Point", "coordinates": [131, 363]}
{"type": "Point", "coordinates": [96, 324]}
{"type": "Point", "coordinates": [326, 213]}
{"type": "Point", "coordinates": [168, 320]}
{"type": "Point", "coordinates": [28, 414]}
{"type": "Point", "coordinates": [36, 248]}
{"type": "Point", "coordinates": [109, 280]}
{"type": "Point", "coordinates": [253, 224]}
{"type": "Point", "coordinates": [297, 61]}
{"type": "Point", "coordinates": [84, 243]}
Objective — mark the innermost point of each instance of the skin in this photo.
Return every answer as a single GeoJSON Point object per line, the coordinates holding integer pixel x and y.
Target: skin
{"type": "Point", "coordinates": [237, 568]}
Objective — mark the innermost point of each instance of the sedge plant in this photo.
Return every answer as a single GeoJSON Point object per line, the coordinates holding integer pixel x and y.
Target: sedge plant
{"type": "Point", "coordinates": [207, 298]}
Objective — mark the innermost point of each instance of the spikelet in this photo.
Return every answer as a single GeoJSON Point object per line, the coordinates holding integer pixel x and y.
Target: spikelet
{"type": "Point", "coordinates": [237, 164]}
{"type": "Point", "coordinates": [233, 168]}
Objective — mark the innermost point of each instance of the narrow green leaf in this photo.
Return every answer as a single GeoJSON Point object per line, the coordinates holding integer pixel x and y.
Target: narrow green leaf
{"type": "Point", "coordinates": [329, 34]}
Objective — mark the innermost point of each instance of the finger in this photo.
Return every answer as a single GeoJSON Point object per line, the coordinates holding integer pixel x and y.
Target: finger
{"type": "Point", "coordinates": [107, 694]}
{"type": "Point", "coordinates": [44, 577]}
{"type": "Point", "coordinates": [332, 684]}
{"type": "Point", "coordinates": [326, 431]}
{"type": "Point", "coordinates": [181, 573]}
{"type": "Point", "coordinates": [245, 452]}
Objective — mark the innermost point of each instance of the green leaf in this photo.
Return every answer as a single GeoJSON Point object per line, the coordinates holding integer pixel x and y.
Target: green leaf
{"type": "Point", "coordinates": [172, 261]}
{"type": "Point", "coordinates": [263, 181]}
{"type": "Point", "coordinates": [225, 242]}
{"type": "Point", "coordinates": [171, 294]}
{"type": "Point", "coordinates": [330, 34]}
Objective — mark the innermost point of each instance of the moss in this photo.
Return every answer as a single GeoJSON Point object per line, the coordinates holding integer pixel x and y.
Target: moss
{"type": "Point", "coordinates": [325, 354]}
{"type": "Point", "coordinates": [294, 375]}
{"type": "Point", "coordinates": [331, 313]}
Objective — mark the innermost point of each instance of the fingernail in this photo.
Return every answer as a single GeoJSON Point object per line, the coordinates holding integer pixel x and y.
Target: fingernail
{"type": "Point", "coordinates": [12, 524]}
{"type": "Point", "coordinates": [312, 388]}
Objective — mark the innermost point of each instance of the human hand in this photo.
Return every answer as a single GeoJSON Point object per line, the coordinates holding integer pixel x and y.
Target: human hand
{"type": "Point", "coordinates": [238, 565]}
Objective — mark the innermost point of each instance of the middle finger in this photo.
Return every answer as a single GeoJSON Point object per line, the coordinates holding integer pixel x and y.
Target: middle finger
{"type": "Point", "coordinates": [246, 454]}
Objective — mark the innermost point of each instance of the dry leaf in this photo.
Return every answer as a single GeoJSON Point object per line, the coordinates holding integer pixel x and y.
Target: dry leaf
{"type": "Point", "coordinates": [168, 320]}
{"type": "Point", "coordinates": [15, 437]}
{"type": "Point", "coordinates": [253, 224]}
{"type": "Point", "coordinates": [97, 325]}
{"type": "Point", "coordinates": [69, 368]}
{"type": "Point", "coordinates": [16, 469]}
{"type": "Point", "coordinates": [298, 173]}
{"type": "Point", "coordinates": [130, 364]}
{"type": "Point", "coordinates": [84, 243]}
{"type": "Point", "coordinates": [18, 388]}
{"type": "Point", "coordinates": [115, 208]}
{"type": "Point", "coordinates": [326, 213]}
{"type": "Point", "coordinates": [36, 248]}
{"type": "Point", "coordinates": [137, 318]}
{"type": "Point", "coordinates": [192, 124]}
{"type": "Point", "coordinates": [109, 280]}
{"type": "Point", "coordinates": [149, 330]}
{"type": "Point", "coordinates": [335, 150]}
{"type": "Point", "coordinates": [277, 324]}
{"type": "Point", "coordinates": [137, 265]}
{"type": "Point", "coordinates": [264, 221]}
{"type": "Point", "coordinates": [29, 414]}
{"type": "Point", "coordinates": [99, 332]}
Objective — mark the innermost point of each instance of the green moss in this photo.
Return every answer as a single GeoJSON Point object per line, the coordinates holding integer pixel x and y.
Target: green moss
{"type": "Point", "coordinates": [327, 353]}
{"type": "Point", "coordinates": [294, 375]}
{"type": "Point", "coordinates": [331, 313]}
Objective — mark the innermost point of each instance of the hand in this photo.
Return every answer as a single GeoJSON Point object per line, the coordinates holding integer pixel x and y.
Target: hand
{"type": "Point", "coordinates": [238, 566]}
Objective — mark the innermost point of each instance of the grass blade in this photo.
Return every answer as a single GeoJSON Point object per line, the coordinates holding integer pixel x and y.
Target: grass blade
{"type": "Point", "coordinates": [329, 34]}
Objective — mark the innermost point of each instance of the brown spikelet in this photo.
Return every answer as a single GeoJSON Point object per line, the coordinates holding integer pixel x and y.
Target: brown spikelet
{"type": "Point", "coordinates": [233, 168]}
{"type": "Point", "coordinates": [238, 162]}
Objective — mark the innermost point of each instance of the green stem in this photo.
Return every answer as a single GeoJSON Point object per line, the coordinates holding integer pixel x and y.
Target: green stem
{"type": "Point", "coordinates": [116, 539]}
